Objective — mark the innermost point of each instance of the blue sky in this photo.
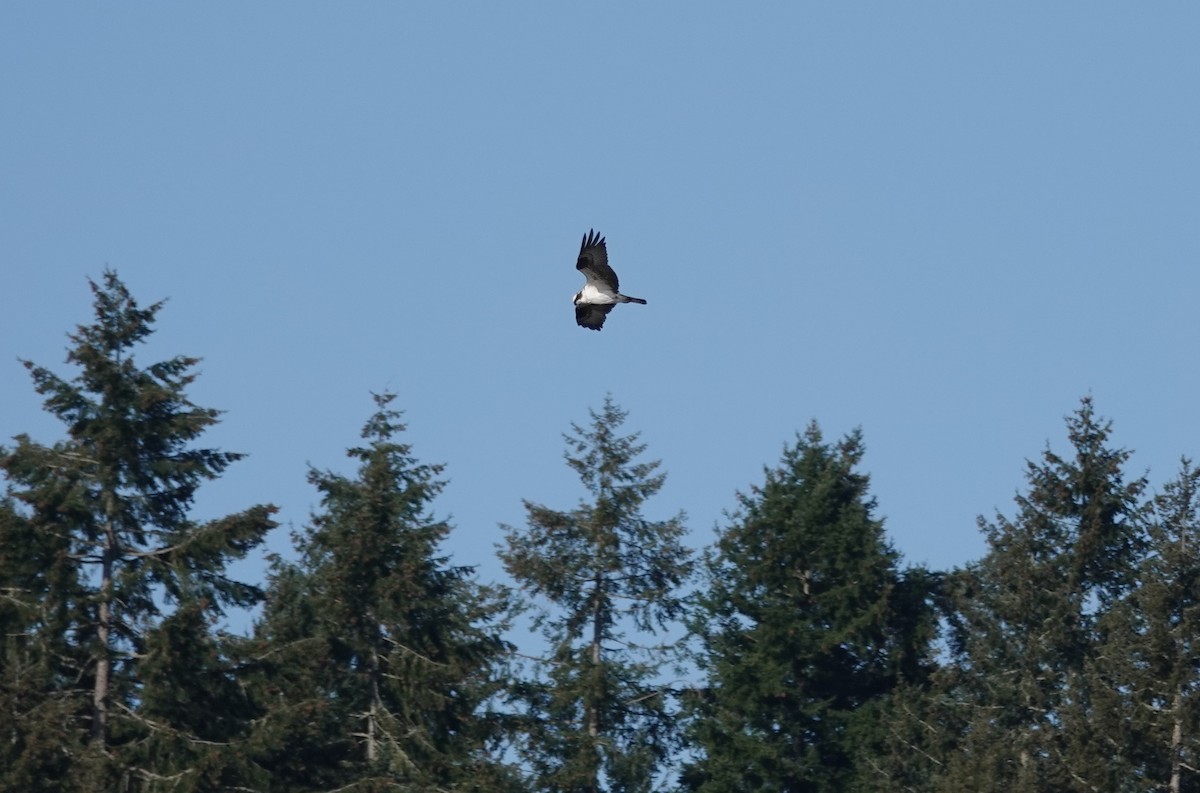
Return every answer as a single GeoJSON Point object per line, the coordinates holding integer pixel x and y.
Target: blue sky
{"type": "Point", "coordinates": [942, 222]}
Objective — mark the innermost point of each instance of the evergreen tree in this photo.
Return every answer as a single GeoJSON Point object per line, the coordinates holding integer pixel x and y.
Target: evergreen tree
{"type": "Point", "coordinates": [196, 710]}
{"type": "Point", "coordinates": [305, 739]}
{"type": "Point", "coordinates": [1148, 663]}
{"type": "Point", "coordinates": [1031, 712]}
{"type": "Point", "coordinates": [805, 627]}
{"type": "Point", "coordinates": [381, 653]}
{"type": "Point", "coordinates": [107, 510]}
{"type": "Point", "coordinates": [607, 579]}
{"type": "Point", "coordinates": [37, 706]}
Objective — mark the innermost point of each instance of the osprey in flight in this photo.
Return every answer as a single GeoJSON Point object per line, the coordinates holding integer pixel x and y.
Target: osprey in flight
{"type": "Point", "coordinates": [600, 293]}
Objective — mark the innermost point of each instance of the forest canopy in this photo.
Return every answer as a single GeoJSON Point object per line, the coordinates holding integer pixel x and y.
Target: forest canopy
{"type": "Point", "coordinates": [796, 653]}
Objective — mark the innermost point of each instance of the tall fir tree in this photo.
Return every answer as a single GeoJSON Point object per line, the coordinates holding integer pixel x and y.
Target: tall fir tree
{"type": "Point", "coordinates": [1148, 659]}
{"type": "Point", "coordinates": [108, 508]}
{"type": "Point", "coordinates": [805, 627]}
{"type": "Point", "coordinates": [381, 654]}
{"type": "Point", "coordinates": [195, 706]}
{"type": "Point", "coordinates": [606, 581]}
{"type": "Point", "coordinates": [40, 715]}
{"type": "Point", "coordinates": [1030, 711]}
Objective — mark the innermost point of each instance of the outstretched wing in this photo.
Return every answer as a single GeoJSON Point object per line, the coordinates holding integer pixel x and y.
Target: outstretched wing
{"type": "Point", "coordinates": [591, 315]}
{"type": "Point", "coordinates": [593, 263]}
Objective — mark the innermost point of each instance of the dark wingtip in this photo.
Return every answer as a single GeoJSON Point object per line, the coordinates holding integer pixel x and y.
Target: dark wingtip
{"type": "Point", "coordinates": [590, 239]}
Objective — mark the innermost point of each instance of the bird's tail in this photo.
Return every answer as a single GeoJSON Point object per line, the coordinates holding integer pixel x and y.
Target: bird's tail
{"type": "Point", "coordinates": [628, 299]}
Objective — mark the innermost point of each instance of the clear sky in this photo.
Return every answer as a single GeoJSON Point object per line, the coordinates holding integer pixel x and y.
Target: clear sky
{"type": "Point", "coordinates": [942, 222]}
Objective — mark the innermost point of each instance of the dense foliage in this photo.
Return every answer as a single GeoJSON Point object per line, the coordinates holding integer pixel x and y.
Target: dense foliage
{"type": "Point", "coordinates": [803, 656]}
{"type": "Point", "coordinates": [596, 714]}
{"type": "Point", "coordinates": [805, 627]}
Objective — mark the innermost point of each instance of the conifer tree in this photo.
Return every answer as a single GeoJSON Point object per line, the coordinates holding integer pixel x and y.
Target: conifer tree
{"type": "Point", "coordinates": [37, 706]}
{"type": "Point", "coordinates": [605, 581]}
{"type": "Point", "coordinates": [111, 503]}
{"type": "Point", "coordinates": [1029, 708]}
{"type": "Point", "coordinates": [194, 701]}
{"type": "Point", "coordinates": [805, 626]}
{"type": "Point", "coordinates": [1147, 663]}
{"type": "Point", "coordinates": [382, 652]}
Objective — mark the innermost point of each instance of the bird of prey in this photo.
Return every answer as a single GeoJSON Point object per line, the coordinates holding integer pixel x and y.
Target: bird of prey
{"type": "Point", "coordinates": [600, 293]}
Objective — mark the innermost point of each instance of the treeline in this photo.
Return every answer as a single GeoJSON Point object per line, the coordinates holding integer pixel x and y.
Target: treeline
{"type": "Point", "coordinates": [795, 654]}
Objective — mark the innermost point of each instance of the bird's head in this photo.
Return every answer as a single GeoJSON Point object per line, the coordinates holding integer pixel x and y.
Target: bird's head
{"type": "Point", "coordinates": [576, 298]}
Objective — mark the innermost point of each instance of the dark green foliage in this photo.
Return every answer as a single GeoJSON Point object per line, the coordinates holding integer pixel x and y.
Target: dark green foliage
{"type": "Point", "coordinates": [104, 537]}
{"type": "Point", "coordinates": [38, 710]}
{"type": "Point", "coordinates": [195, 710]}
{"type": "Point", "coordinates": [1149, 653]}
{"type": "Point", "coordinates": [605, 580]}
{"type": "Point", "coordinates": [378, 655]}
{"type": "Point", "coordinates": [1067, 657]}
{"type": "Point", "coordinates": [805, 627]}
{"type": "Point", "coordinates": [290, 666]}
{"type": "Point", "coordinates": [1024, 692]}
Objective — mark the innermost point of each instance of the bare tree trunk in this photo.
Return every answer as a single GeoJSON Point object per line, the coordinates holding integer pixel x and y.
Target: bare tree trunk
{"type": "Point", "coordinates": [104, 625]}
{"type": "Point", "coordinates": [592, 705]}
{"type": "Point", "coordinates": [593, 726]}
{"type": "Point", "coordinates": [1176, 742]}
{"type": "Point", "coordinates": [373, 711]}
